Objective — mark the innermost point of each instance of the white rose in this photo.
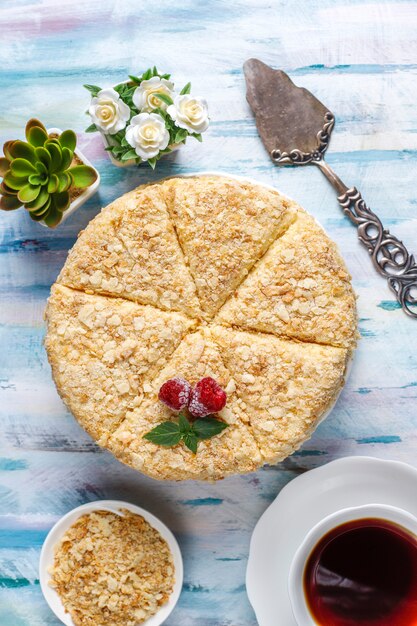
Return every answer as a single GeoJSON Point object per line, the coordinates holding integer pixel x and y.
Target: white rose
{"type": "Point", "coordinates": [147, 134]}
{"type": "Point", "coordinates": [144, 97]}
{"type": "Point", "coordinates": [190, 113]}
{"type": "Point", "coordinates": [109, 112]}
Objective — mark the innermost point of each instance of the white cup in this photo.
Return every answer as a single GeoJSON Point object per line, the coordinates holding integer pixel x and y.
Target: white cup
{"type": "Point", "coordinates": [298, 600]}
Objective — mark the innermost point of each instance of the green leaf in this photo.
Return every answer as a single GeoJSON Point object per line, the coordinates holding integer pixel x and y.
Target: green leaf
{"type": "Point", "coordinates": [14, 182]}
{"type": "Point", "coordinates": [183, 424]}
{"type": "Point", "coordinates": [43, 155]}
{"type": "Point", "coordinates": [28, 193]}
{"type": "Point", "coordinates": [56, 156]}
{"type": "Point", "coordinates": [166, 434]}
{"type": "Point", "coordinates": [53, 183]}
{"type": "Point", "coordinates": [35, 179]}
{"type": "Point", "coordinates": [93, 89]}
{"type": "Point", "coordinates": [65, 181]}
{"type": "Point", "coordinates": [4, 166]}
{"type": "Point", "coordinates": [154, 71]}
{"type": "Point", "coordinates": [83, 175]}
{"type": "Point", "coordinates": [120, 88]}
{"type": "Point", "coordinates": [147, 75]}
{"type": "Point", "coordinates": [197, 136]}
{"type": "Point", "coordinates": [180, 135]}
{"type": "Point", "coordinates": [61, 201]}
{"type": "Point", "coordinates": [208, 427]}
{"type": "Point", "coordinates": [21, 167]}
{"type": "Point", "coordinates": [164, 97]}
{"type": "Point", "coordinates": [68, 139]}
{"type": "Point", "coordinates": [37, 136]}
{"type": "Point", "coordinates": [91, 129]}
{"type": "Point", "coordinates": [9, 203]}
{"type": "Point", "coordinates": [130, 154]}
{"type": "Point", "coordinates": [42, 170]}
{"type": "Point", "coordinates": [40, 201]}
{"type": "Point", "coordinates": [7, 191]}
{"type": "Point", "coordinates": [53, 218]}
{"type": "Point", "coordinates": [41, 213]}
{"type": "Point", "coordinates": [67, 156]}
{"type": "Point", "coordinates": [6, 149]}
{"type": "Point", "coordinates": [152, 162]}
{"type": "Point", "coordinates": [32, 123]}
{"type": "Point", "coordinates": [191, 441]}
{"type": "Point", "coordinates": [134, 79]}
{"type": "Point", "coordinates": [23, 150]}
{"type": "Point", "coordinates": [185, 89]}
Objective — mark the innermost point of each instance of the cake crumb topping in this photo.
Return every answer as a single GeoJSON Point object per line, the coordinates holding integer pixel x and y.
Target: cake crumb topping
{"type": "Point", "coordinates": [112, 569]}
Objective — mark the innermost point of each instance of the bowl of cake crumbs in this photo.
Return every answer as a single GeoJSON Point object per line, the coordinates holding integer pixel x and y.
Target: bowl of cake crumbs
{"type": "Point", "coordinates": [111, 563]}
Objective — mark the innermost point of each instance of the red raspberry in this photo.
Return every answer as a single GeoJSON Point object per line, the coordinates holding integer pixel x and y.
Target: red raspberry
{"type": "Point", "coordinates": [206, 397]}
{"type": "Point", "coordinates": [175, 393]}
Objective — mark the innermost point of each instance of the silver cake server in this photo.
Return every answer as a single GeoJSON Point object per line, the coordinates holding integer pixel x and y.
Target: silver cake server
{"type": "Point", "coordinates": [295, 129]}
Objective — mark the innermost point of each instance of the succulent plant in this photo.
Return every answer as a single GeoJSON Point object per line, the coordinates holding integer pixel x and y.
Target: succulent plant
{"type": "Point", "coordinates": [39, 173]}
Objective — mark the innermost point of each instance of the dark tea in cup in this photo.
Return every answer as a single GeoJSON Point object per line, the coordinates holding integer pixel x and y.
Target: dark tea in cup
{"type": "Point", "coordinates": [363, 573]}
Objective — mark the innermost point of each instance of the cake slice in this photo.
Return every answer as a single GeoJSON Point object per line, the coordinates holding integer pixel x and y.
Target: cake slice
{"type": "Point", "coordinates": [300, 288]}
{"type": "Point", "coordinates": [233, 451]}
{"type": "Point", "coordinates": [103, 350]}
{"type": "Point", "coordinates": [131, 250]}
{"type": "Point", "coordinates": [224, 226]}
{"type": "Point", "coordinates": [286, 386]}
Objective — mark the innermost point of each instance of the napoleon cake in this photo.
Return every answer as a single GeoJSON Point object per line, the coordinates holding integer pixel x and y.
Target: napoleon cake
{"type": "Point", "coordinates": [226, 290]}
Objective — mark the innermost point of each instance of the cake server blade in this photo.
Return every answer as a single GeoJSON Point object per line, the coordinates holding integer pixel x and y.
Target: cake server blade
{"type": "Point", "coordinates": [295, 128]}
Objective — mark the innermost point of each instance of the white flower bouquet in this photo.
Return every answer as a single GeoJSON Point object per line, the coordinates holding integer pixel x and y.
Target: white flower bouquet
{"type": "Point", "coordinates": [144, 118]}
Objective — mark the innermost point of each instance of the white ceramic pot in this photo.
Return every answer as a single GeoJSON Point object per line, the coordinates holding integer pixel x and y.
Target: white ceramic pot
{"type": "Point", "coordinates": [87, 193]}
{"type": "Point", "coordinates": [393, 514]}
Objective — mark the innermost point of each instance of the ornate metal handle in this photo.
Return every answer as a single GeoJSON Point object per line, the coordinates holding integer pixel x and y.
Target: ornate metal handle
{"type": "Point", "coordinates": [389, 255]}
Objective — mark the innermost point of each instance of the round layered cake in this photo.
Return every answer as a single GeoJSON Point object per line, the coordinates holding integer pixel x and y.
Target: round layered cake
{"type": "Point", "coordinates": [195, 277]}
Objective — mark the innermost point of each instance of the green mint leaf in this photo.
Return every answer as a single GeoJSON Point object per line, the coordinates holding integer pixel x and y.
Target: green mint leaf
{"type": "Point", "coordinates": [208, 427]}
{"type": "Point", "coordinates": [166, 434]}
{"type": "Point", "coordinates": [91, 129]}
{"type": "Point", "coordinates": [93, 89]}
{"type": "Point", "coordinates": [191, 441]}
{"type": "Point", "coordinates": [164, 97]}
{"type": "Point", "coordinates": [183, 424]}
{"type": "Point", "coordinates": [185, 89]}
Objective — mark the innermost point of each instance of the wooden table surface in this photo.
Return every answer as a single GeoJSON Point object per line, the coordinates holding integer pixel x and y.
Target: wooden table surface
{"type": "Point", "coordinates": [360, 59]}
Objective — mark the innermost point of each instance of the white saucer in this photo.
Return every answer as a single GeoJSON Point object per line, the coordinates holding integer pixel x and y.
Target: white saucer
{"type": "Point", "coordinates": [348, 482]}
{"type": "Point", "coordinates": [55, 534]}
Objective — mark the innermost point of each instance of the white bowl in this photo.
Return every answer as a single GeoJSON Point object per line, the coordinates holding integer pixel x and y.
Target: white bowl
{"type": "Point", "coordinates": [296, 576]}
{"type": "Point", "coordinates": [55, 534]}
{"type": "Point", "coordinates": [87, 193]}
